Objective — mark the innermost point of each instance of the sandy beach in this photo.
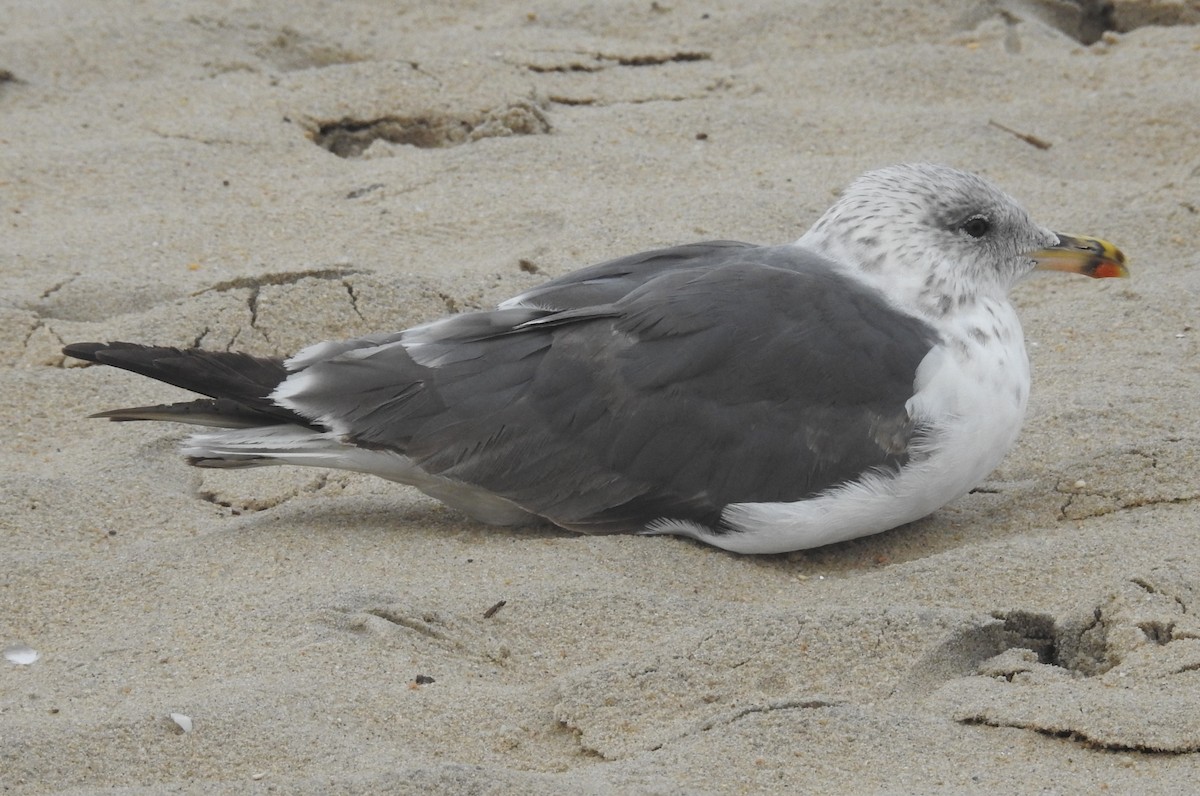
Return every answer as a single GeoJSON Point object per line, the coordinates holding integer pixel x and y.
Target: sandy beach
{"type": "Point", "coordinates": [260, 176]}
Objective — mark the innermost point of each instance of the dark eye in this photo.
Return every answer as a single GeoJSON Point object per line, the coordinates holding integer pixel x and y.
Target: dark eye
{"type": "Point", "coordinates": [976, 226]}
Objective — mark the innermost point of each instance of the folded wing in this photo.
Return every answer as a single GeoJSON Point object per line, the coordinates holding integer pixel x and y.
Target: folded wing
{"type": "Point", "coordinates": [722, 373]}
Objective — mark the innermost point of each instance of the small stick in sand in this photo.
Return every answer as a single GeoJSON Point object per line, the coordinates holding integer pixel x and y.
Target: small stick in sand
{"type": "Point", "coordinates": [1033, 140]}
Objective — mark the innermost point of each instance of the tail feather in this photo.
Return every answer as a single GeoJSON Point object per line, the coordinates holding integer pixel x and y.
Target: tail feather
{"type": "Point", "coordinates": [266, 445]}
{"type": "Point", "coordinates": [239, 385]}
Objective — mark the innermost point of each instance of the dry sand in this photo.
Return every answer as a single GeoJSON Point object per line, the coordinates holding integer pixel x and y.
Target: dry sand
{"type": "Point", "coordinates": [166, 176]}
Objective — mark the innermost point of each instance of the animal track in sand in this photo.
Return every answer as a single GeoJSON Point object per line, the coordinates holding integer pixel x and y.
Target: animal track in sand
{"type": "Point", "coordinates": [1101, 678]}
{"type": "Point", "coordinates": [349, 137]}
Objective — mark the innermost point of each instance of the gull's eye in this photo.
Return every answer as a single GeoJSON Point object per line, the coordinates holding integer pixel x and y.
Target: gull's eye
{"type": "Point", "coordinates": [976, 226]}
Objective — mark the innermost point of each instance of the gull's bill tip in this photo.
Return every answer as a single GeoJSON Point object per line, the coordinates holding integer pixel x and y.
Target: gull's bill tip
{"type": "Point", "coordinates": [1079, 254]}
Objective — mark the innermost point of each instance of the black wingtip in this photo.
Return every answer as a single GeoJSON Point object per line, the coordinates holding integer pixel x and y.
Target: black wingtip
{"type": "Point", "coordinates": [216, 413]}
{"type": "Point", "coordinates": [114, 353]}
{"type": "Point", "coordinates": [85, 351]}
{"type": "Point", "coordinates": [239, 385]}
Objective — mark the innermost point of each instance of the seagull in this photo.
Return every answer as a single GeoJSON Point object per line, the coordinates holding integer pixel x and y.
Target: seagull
{"type": "Point", "coordinates": [761, 399]}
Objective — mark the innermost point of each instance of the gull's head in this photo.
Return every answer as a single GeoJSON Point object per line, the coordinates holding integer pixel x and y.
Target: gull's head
{"type": "Point", "coordinates": [938, 239]}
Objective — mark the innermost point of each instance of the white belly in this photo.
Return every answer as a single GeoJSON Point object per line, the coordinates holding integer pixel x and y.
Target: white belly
{"type": "Point", "coordinates": [971, 394]}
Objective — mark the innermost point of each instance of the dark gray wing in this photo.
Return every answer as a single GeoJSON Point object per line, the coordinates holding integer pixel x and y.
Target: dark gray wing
{"type": "Point", "coordinates": [610, 281]}
{"type": "Point", "coordinates": [728, 381]}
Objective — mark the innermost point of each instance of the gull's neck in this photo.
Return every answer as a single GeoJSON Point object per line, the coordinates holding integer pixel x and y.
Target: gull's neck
{"type": "Point", "coordinates": [933, 290]}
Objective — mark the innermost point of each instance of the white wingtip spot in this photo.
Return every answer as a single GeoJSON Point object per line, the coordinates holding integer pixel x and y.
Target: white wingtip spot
{"type": "Point", "coordinates": [286, 391]}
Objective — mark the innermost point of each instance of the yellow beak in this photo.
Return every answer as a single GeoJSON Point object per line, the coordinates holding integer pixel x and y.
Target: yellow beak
{"type": "Point", "coordinates": [1078, 255]}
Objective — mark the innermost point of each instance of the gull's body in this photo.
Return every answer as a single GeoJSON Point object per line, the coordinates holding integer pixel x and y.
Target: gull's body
{"type": "Point", "coordinates": [758, 398]}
